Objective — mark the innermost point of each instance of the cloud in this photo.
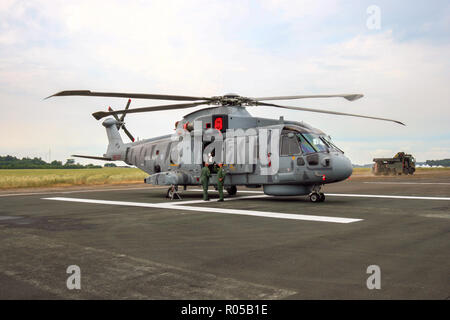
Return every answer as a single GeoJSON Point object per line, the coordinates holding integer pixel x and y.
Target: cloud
{"type": "Point", "coordinates": [210, 48]}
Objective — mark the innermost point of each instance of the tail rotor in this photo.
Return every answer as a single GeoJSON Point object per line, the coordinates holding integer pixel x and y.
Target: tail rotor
{"type": "Point", "coordinates": [120, 123]}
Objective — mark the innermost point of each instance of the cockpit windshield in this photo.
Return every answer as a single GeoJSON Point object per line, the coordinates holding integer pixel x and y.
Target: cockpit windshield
{"type": "Point", "coordinates": [305, 145]}
{"type": "Point", "coordinates": [327, 140]}
{"type": "Point", "coordinates": [316, 141]}
{"type": "Point", "coordinates": [311, 142]}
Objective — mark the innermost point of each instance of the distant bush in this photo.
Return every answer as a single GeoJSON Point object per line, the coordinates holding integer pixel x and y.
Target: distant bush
{"type": "Point", "coordinates": [11, 162]}
{"type": "Point", "coordinates": [110, 165]}
{"type": "Point", "coordinates": [443, 162]}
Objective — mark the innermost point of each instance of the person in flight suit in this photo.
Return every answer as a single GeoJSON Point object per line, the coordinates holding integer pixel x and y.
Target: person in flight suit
{"type": "Point", "coordinates": [204, 179]}
{"type": "Point", "coordinates": [220, 181]}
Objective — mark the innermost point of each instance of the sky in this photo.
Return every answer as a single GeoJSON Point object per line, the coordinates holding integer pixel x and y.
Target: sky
{"type": "Point", "coordinates": [397, 56]}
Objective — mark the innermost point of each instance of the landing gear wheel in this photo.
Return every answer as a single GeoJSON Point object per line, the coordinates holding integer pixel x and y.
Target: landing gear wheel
{"type": "Point", "coordinates": [172, 193]}
{"type": "Point", "coordinates": [322, 197]}
{"type": "Point", "coordinates": [315, 197]}
{"type": "Point", "coordinates": [231, 190]}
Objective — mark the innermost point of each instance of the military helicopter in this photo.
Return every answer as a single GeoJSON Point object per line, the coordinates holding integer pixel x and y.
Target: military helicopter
{"type": "Point", "coordinates": [305, 157]}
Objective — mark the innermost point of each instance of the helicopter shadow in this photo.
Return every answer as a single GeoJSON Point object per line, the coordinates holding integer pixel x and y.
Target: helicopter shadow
{"type": "Point", "coordinates": [263, 199]}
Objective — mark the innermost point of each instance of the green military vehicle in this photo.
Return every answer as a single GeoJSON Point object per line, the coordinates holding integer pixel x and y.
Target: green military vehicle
{"type": "Point", "coordinates": [400, 163]}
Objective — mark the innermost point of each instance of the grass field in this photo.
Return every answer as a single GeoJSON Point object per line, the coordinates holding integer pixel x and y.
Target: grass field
{"type": "Point", "coordinates": [37, 178]}
{"type": "Point", "coordinates": [33, 178]}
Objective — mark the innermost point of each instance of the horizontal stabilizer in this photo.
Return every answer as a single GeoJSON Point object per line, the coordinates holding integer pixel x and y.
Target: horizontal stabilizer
{"type": "Point", "coordinates": [91, 157]}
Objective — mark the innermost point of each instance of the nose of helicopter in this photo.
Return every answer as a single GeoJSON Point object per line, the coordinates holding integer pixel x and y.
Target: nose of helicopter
{"type": "Point", "coordinates": [342, 167]}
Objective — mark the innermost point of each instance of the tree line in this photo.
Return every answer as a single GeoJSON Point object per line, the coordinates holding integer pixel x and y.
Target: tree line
{"type": "Point", "coordinates": [11, 162]}
{"type": "Point", "coordinates": [443, 162]}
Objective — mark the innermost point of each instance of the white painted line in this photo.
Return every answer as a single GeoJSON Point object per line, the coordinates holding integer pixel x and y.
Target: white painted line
{"type": "Point", "coordinates": [77, 191]}
{"type": "Point", "coordinates": [380, 182]}
{"type": "Point", "coordinates": [278, 215]}
{"type": "Point", "coordinates": [117, 203]}
{"type": "Point", "coordinates": [384, 196]}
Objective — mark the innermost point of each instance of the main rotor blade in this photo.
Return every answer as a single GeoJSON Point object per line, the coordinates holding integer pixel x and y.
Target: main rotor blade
{"type": "Point", "coordinates": [349, 97]}
{"type": "Point", "coordinates": [327, 111]}
{"type": "Point", "coordinates": [101, 114]}
{"type": "Point", "coordinates": [126, 95]}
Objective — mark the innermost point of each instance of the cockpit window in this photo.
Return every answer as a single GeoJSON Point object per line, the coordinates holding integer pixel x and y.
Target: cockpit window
{"type": "Point", "coordinates": [311, 142]}
{"type": "Point", "coordinates": [327, 140]}
{"type": "Point", "coordinates": [316, 141]}
{"type": "Point", "coordinates": [305, 145]}
{"type": "Point", "coordinates": [289, 145]}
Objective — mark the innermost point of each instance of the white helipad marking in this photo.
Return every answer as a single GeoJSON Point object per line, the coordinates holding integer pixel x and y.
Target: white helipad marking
{"type": "Point", "coordinates": [381, 182]}
{"type": "Point", "coordinates": [77, 191]}
{"type": "Point", "coordinates": [173, 206]}
{"type": "Point", "coordinates": [384, 196]}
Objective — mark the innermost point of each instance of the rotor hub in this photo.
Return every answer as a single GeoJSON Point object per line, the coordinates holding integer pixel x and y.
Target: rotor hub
{"type": "Point", "coordinates": [230, 100]}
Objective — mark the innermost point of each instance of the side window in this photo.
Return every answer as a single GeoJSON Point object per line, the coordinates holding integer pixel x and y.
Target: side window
{"type": "Point", "coordinates": [284, 146]}
{"type": "Point", "coordinates": [130, 155]}
{"type": "Point", "coordinates": [289, 146]}
{"type": "Point", "coordinates": [133, 155]}
{"type": "Point", "coordinates": [294, 147]}
{"type": "Point", "coordinates": [136, 155]}
{"type": "Point", "coordinates": [167, 152]}
{"type": "Point", "coordinates": [150, 153]}
{"type": "Point", "coordinates": [146, 148]}
{"type": "Point", "coordinates": [141, 154]}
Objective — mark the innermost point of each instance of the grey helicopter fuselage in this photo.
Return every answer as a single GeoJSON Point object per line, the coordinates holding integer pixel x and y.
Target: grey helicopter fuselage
{"type": "Point", "coordinates": [307, 157]}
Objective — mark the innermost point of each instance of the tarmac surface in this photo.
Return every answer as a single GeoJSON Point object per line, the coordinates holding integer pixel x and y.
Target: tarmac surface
{"type": "Point", "coordinates": [130, 242]}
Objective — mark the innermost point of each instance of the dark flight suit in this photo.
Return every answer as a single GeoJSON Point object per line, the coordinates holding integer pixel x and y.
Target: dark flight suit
{"type": "Point", "coordinates": [204, 179]}
{"type": "Point", "coordinates": [220, 181]}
